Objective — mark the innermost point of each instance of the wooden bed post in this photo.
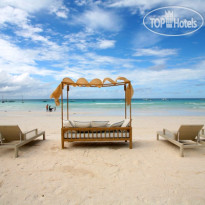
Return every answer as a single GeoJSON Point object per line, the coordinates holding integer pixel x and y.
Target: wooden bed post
{"type": "Point", "coordinates": [130, 106]}
{"type": "Point", "coordinates": [62, 133]}
{"type": "Point", "coordinates": [67, 102]}
{"type": "Point", "coordinates": [130, 116]}
{"type": "Point", "coordinates": [125, 102]}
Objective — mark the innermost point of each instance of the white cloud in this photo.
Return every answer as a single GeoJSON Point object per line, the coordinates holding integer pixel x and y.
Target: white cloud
{"type": "Point", "coordinates": [16, 68]}
{"type": "Point", "coordinates": [81, 40]}
{"type": "Point", "coordinates": [13, 54]}
{"type": "Point", "coordinates": [155, 52]}
{"type": "Point", "coordinates": [142, 6]}
{"type": "Point", "coordinates": [13, 86]}
{"type": "Point", "coordinates": [87, 2]}
{"type": "Point", "coordinates": [13, 16]}
{"type": "Point", "coordinates": [14, 60]}
{"type": "Point", "coordinates": [157, 67]}
{"type": "Point", "coordinates": [31, 6]}
{"type": "Point", "coordinates": [145, 38]}
{"type": "Point", "coordinates": [20, 19]}
{"type": "Point", "coordinates": [79, 72]}
{"type": "Point", "coordinates": [140, 77]}
{"type": "Point", "coordinates": [103, 44]}
{"type": "Point", "coordinates": [159, 64]}
{"type": "Point", "coordinates": [100, 61]}
{"type": "Point", "coordinates": [81, 2]}
{"type": "Point", "coordinates": [159, 61]}
{"type": "Point", "coordinates": [91, 65]}
{"type": "Point", "coordinates": [59, 9]}
{"type": "Point", "coordinates": [97, 19]}
{"type": "Point", "coordinates": [167, 76]}
{"type": "Point", "coordinates": [87, 40]}
{"type": "Point", "coordinates": [61, 14]}
{"type": "Point", "coordinates": [22, 26]}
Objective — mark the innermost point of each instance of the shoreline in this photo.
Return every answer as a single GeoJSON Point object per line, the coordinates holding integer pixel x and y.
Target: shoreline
{"type": "Point", "coordinates": [105, 112]}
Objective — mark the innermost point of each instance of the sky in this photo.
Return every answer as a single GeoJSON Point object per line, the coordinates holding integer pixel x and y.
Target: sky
{"type": "Point", "coordinates": [43, 41]}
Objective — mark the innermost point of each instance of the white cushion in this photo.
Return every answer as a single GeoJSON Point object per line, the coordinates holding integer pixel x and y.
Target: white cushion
{"type": "Point", "coordinates": [117, 124]}
{"type": "Point", "coordinates": [126, 123]}
{"type": "Point", "coordinates": [68, 123]}
{"type": "Point", "coordinates": [99, 123]}
{"type": "Point", "coordinates": [82, 124]}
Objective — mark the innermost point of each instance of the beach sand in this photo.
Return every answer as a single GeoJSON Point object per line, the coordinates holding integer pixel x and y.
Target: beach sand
{"type": "Point", "coordinates": [101, 173]}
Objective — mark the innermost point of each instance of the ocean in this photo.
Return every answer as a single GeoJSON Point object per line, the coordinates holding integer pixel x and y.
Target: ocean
{"type": "Point", "coordinates": [140, 107]}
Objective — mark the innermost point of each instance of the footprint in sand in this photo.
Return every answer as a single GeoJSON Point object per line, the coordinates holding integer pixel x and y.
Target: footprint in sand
{"type": "Point", "coordinates": [76, 171]}
{"type": "Point", "coordinates": [55, 148]}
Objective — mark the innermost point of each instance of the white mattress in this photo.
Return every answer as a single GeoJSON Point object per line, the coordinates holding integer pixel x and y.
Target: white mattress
{"type": "Point", "coordinates": [75, 135]}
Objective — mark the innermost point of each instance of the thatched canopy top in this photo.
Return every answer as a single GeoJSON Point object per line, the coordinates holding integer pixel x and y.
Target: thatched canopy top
{"type": "Point", "coordinates": [82, 82]}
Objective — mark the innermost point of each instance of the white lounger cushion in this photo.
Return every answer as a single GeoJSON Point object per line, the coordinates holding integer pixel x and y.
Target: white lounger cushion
{"type": "Point", "coordinates": [82, 124]}
{"type": "Point", "coordinates": [68, 123]}
{"type": "Point", "coordinates": [99, 123]}
{"type": "Point", "coordinates": [117, 124]}
{"type": "Point", "coordinates": [126, 123]}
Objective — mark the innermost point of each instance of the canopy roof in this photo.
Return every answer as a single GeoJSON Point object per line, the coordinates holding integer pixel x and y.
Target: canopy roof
{"type": "Point", "coordinates": [82, 82]}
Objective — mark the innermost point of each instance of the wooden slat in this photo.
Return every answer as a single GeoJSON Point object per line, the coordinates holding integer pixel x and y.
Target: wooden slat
{"type": "Point", "coordinates": [90, 140]}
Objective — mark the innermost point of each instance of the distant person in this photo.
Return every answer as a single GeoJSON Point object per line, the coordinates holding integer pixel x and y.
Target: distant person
{"type": "Point", "coordinates": [47, 108]}
{"type": "Point", "coordinates": [50, 108]}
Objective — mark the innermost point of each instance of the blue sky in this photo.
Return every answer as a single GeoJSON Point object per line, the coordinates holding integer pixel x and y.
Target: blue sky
{"type": "Point", "coordinates": [41, 42]}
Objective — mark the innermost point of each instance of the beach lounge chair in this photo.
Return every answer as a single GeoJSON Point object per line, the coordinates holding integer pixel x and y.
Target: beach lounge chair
{"type": "Point", "coordinates": [202, 136]}
{"type": "Point", "coordinates": [187, 136]}
{"type": "Point", "coordinates": [11, 136]}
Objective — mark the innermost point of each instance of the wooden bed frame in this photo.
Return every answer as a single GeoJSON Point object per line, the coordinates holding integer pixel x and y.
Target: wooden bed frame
{"type": "Point", "coordinates": [96, 133]}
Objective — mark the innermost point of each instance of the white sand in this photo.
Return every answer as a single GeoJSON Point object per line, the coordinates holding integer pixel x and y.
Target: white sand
{"type": "Point", "coordinates": [101, 173]}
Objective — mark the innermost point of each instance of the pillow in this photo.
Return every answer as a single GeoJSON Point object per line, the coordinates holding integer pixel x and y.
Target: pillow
{"type": "Point", "coordinates": [99, 123]}
{"type": "Point", "coordinates": [117, 124]}
{"type": "Point", "coordinates": [82, 124]}
{"type": "Point", "coordinates": [68, 123]}
{"type": "Point", "coordinates": [72, 123]}
{"type": "Point", "coordinates": [126, 123]}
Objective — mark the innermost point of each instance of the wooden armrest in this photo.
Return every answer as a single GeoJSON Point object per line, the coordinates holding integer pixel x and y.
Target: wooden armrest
{"type": "Point", "coordinates": [31, 131]}
{"type": "Point", "coordinates": [166, 131]}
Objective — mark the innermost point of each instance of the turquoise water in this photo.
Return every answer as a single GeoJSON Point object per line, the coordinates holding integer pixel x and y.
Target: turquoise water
{"type": "Point", "coordinates": [140, 107]}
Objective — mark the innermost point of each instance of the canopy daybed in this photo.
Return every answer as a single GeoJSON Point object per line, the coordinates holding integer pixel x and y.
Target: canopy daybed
{"type": "Point", "coordinates": [95, 131]}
